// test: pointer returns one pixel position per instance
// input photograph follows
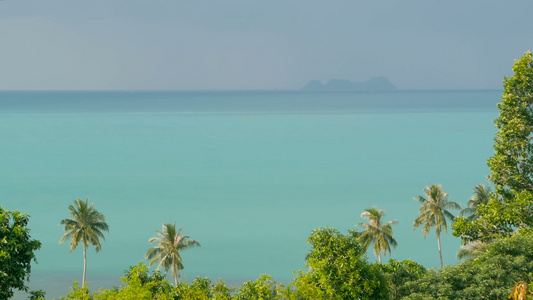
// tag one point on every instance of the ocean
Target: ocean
(248, 174)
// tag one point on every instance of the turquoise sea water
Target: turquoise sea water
(248, 174)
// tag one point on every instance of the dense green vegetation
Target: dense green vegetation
(509, 208)
(496, 229)
(339, 270)
(16, 252)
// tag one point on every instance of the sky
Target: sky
(259, 45)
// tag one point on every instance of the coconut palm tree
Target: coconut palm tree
(166, 253)
(434, 212)
(482, 195)
(380, 235)
(85, 227)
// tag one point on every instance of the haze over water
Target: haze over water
(248, 174)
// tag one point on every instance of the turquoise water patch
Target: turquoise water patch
(249, 186)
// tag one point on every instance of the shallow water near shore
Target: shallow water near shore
(247, 174)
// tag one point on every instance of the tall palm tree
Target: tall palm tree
(380, 235)
(85, 227)
(482, 195)
(166, 253)
(434, 212)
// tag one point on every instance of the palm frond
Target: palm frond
(168, 244)
(471, 250)
(451, 205)
(67, 236)
(466, 212)
(190, 244)
(86, 225)
(433, 212)
(420, 199)
(376, 233)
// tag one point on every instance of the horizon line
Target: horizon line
(240, 90)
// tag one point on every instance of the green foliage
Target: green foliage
(141, 271)
(139, 284)
(512, 164)
(338, 269)
(200, 288)
(492, 275)
(376, 233)
(221, 291)
(154, 282)
(16, 252)
(400, 272)
(497, 219)
(37, 295)
(264, 288)
(78, 293)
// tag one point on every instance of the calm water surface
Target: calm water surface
(248, 174)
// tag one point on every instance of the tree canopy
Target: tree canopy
(491, 275)
(338, 269)
(17, 251)
(511, 207)
(512, 164)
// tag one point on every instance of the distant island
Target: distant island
(377, 84)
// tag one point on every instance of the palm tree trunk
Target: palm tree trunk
(174, 271)
(440, 252)
(379, 257)
(84, 265)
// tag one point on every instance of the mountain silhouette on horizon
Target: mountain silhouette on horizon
(377, 84)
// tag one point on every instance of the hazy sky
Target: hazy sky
(248, 44)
